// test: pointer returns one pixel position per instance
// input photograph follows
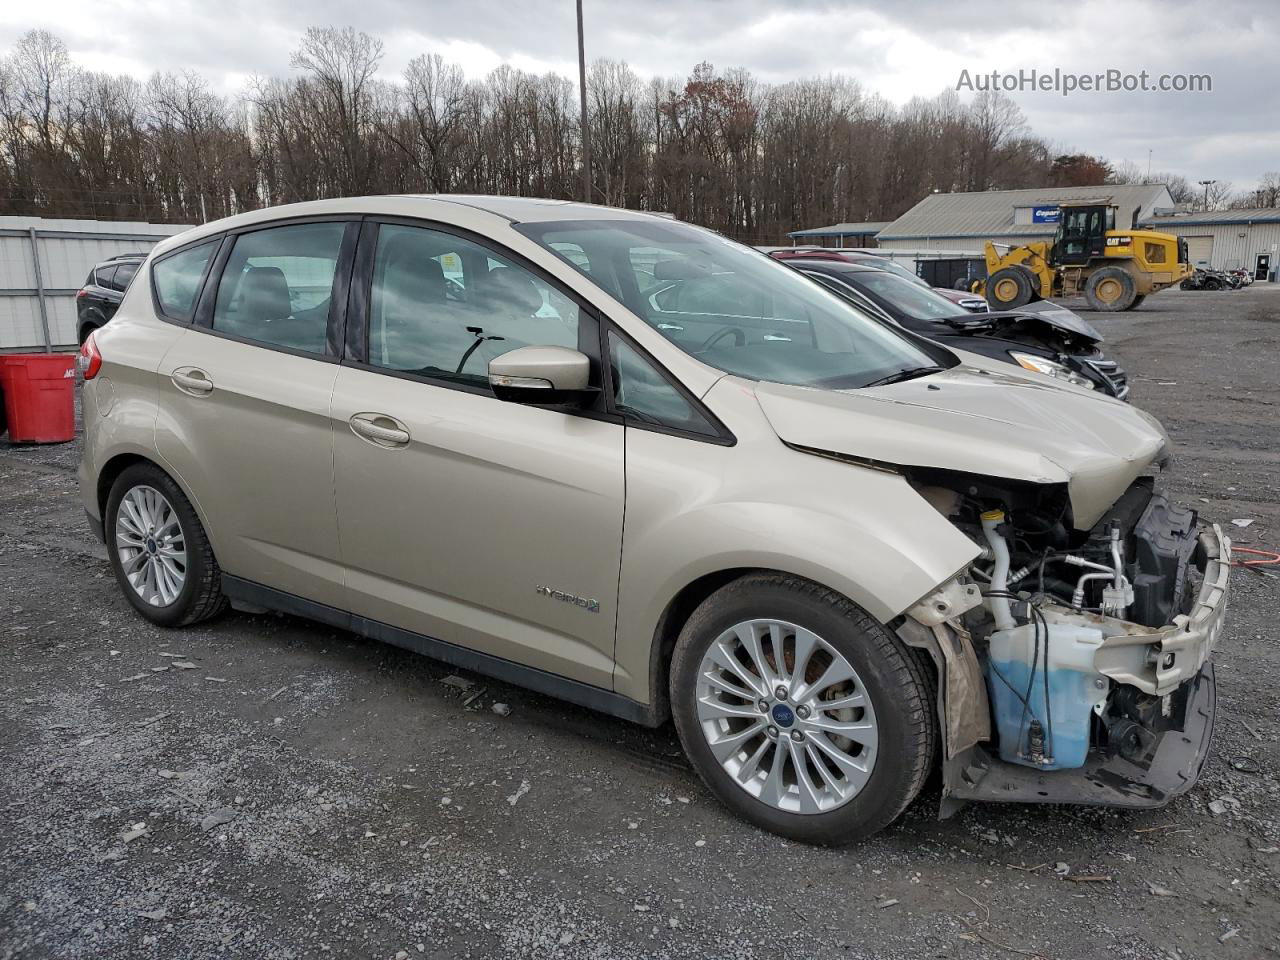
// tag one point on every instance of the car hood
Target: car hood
(979, 421)
(1054, 315)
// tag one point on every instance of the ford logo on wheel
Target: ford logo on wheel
(783, 716)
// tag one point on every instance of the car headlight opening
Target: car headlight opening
(1029, 361)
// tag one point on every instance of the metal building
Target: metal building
(840, 234)
(42, 265)
(966, 221)
(1228, 239)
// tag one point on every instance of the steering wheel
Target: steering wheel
(739, 338)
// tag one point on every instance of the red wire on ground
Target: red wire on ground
(1272, 558)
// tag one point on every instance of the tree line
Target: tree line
(717, 147)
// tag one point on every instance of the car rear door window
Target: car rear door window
(104, 275)
(443, 306)
(277, 286)
(177, 279)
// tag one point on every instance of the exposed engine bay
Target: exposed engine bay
(1091, 645)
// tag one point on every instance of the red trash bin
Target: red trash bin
(39, 396)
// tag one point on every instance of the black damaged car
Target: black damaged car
(1040, 336)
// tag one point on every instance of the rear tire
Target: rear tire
(1137, 301)
(158, 550)
(1010, 288)
(1110, 289)
(830, 651)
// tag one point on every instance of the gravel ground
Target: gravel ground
(301, 792)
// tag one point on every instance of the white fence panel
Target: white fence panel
(37, 300)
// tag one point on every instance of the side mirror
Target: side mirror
(544, 376)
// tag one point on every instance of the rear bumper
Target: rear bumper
(1171, 768)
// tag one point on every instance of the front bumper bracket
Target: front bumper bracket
(1172, 769)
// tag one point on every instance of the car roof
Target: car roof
(836, 266)
(465, 210)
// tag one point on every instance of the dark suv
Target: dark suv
(103, 289)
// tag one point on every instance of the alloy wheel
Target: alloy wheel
(151, 546)
(786, 716)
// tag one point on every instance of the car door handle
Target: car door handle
(192, 381)
(379, 429)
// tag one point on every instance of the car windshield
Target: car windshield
(730, 306)
(916, 301)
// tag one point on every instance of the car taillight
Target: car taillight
(90, 360)
(82, 292)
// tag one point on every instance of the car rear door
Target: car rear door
(244, 411)
(490, 525)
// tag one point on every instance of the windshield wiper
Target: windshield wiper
(910, 373)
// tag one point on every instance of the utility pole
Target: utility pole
(1206, 184)
(586, 132)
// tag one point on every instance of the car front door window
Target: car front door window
(442, 306)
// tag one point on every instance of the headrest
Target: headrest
(265, 294)
(511, 291)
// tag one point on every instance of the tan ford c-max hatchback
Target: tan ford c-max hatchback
(627, 462)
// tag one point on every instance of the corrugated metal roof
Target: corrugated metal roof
(843, 229)
(1218, 218)
(990, 213)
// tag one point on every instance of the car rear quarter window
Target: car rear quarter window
(277, 286)
(104, 275)
(177, 279)
(124, 276)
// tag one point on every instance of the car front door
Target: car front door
(490, 525)
(244, 415)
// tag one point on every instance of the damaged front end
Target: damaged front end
(1073, 651)
(1074, 663)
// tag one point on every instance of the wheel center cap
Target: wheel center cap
(783, 715)
(151, 546)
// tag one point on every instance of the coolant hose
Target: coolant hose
(991, 521)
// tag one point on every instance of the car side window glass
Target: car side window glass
(177, 279)
(277, 285)
(105, 275)
(643, 393)
(124, 276)
(444, 306)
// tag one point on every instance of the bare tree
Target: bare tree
(716, 147)
(341, 64)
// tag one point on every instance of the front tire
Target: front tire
(158, 550)
(1110, 289)
(800, 712)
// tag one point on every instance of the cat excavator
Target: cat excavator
(1112, 269)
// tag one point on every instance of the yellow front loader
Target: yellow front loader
(1113, 269)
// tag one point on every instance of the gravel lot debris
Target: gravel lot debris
(330, 798)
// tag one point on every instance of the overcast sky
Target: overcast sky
(898, 49)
